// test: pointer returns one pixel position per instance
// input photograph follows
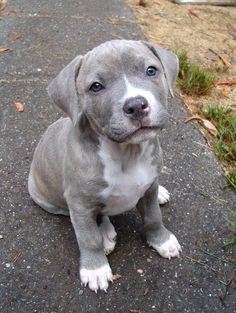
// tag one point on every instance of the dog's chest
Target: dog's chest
(128, 175)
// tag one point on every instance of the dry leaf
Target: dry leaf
(19, 106)
(3, 4)
(4, 49)
(193, 13)
(224, 60)
(17, 37)
(134, 311)
(210, 127)
(191, 118)
(207, 124)
(225, 91)
(146, 291)
(116, 277)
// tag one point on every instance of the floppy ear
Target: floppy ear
(62, 89)
(169, 62)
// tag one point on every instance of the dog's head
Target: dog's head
(121, 86)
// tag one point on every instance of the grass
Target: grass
(193, 80)
(225, 123)
(232, 180)
(232, 224)
(225, 145)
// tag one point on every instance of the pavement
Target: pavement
(39, 255)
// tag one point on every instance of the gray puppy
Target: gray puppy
(104, 159)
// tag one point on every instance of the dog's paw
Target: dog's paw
(163, 195)
(169, 249)
(108, 235)
(96, 279)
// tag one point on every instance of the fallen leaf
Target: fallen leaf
(210, 127)
(17, 37)
(134, 311)
(191, 118)
(205, 123)
(19, 106)
(4, 49)
(193, 13)
(116, 277)
(146, 291)
(225, 91)
(224, 60)
(3, 4)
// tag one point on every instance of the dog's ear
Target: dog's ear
(169, 62)
(62, 89)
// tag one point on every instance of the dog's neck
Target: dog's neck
(123, 153)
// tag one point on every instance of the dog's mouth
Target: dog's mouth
(144, 132)
(143, 129)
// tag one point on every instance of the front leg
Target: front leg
(158, 237)
(94, 267)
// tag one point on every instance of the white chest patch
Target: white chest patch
(128, 171)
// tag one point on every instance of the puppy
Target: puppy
(104, 158)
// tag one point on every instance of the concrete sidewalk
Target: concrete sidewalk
(39, 255)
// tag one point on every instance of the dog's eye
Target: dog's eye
(96, 87)
(151, 71)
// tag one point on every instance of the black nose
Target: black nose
(136, 107)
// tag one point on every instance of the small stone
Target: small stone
(140, 271)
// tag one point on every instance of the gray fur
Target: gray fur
(67, 174)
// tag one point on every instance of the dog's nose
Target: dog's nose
(136, 107)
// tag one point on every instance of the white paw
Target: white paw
(163, 195)
(170, 248)
(108, 235)
(96, 279)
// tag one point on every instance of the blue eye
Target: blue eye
(96, 87)
(151, 71)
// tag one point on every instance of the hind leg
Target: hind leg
(42, 201)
